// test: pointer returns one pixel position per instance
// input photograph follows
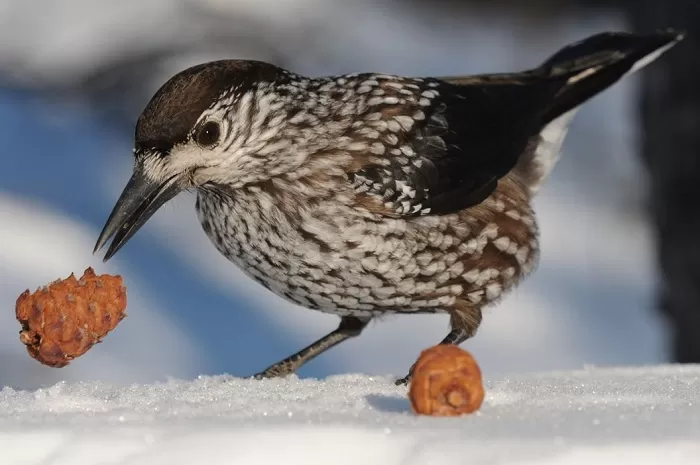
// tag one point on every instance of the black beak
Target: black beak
(140, 199)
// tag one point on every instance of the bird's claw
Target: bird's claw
(263, 375)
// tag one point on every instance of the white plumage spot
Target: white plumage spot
(357, 146)
(514, 214)
(456, 269)
(548, 151)
(502, 243)
(395, 85)
(490, 231)
(472, 276)
(406, 122)
(409, 152)
(522, 254)
(393, 125)
(430, 270)
(377, 148)
(475, 296)
(654, 55)
(392, 139)
(369, 133)
(493, 290)
(583, 74)
(424, 258)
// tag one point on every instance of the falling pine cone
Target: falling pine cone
(446, 381)
(65, 319)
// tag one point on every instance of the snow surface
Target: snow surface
(593, 416)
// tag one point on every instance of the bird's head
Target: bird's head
(219, 123)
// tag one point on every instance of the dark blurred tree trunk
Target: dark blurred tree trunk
(670, 149)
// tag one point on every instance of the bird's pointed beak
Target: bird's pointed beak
(139, 200)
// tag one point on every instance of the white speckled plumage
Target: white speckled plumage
(344, 260)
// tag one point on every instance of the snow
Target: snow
(645, 415)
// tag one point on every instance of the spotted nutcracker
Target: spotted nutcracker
(368, 194)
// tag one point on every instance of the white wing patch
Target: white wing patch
(552, 137)
(653, 55)
(548, 151)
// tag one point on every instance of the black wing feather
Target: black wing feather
(451, 159)
(489, 128)
(474, 129)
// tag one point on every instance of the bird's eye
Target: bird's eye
(208, 134)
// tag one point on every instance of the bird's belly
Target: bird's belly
(370, 268)
(296, 269)
(287, 260)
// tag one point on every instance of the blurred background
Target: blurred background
(617, 283)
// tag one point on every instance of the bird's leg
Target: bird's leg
(349, 327)
(464, 320)
(456, 337)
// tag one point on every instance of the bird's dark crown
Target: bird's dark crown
(174, 109)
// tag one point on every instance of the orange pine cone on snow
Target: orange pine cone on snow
(65, 319)
(446, 381)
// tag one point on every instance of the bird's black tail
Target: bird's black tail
(583, 70)
(597, 62)
(559, 86)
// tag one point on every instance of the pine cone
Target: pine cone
(446, 381)
(64, 320)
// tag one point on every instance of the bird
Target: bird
(369, 194)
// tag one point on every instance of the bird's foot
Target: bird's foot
(269, 373)
(406, 379)
(278, 370)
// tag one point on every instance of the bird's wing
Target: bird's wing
(458, 141)
(460, 135)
